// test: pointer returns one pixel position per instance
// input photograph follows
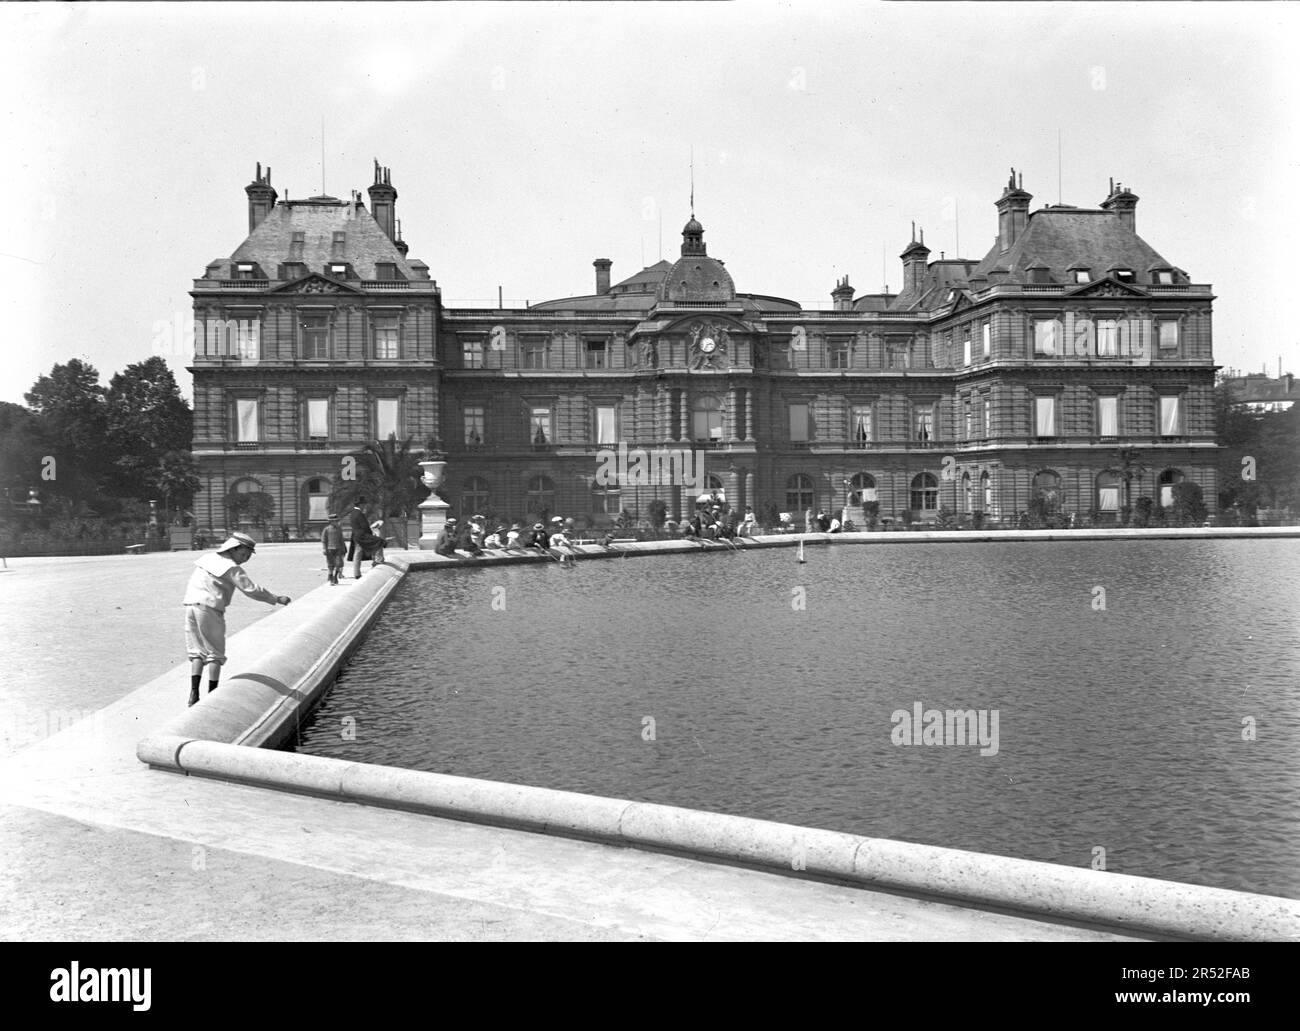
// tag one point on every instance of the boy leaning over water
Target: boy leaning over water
(211, 586)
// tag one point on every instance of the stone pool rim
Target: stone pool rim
(232, 736)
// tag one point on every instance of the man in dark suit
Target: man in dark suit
(360, 527)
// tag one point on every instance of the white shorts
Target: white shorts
(205, 634)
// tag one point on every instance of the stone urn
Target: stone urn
(433, 510)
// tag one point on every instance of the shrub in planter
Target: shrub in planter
(657, 512)
(1125, 513)
(946, 518)
(1189, 504)
(977, 520)
(1142, 511)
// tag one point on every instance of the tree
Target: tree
(178, 480)
(388, 475)
(145, 419)
(70, 404)
(1189, 505)
(22, 448)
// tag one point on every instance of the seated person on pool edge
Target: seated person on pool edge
(446, 542)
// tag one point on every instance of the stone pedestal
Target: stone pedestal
(433, 510)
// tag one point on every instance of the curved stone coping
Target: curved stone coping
(298, 653)
(426, 560)
(1133, 904)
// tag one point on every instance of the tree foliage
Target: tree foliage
(388, 476)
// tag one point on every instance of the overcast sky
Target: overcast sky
(525, 140)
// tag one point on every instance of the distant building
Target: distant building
(1259, 393)
(978, 385)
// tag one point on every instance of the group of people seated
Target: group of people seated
(472, 537)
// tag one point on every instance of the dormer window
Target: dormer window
(337, 269)
(296, 243)
(1082, 275)
(292, 270)
(337, 244)
(1040, 274)
(1124, 275)
(245, 270)
(386, 270)
(1164, 277)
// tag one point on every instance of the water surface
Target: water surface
(1119, 728)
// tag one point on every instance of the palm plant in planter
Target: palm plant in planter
(388, 476)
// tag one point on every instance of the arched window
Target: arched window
(707, 419)
(966, 492)
(799, 493)
(474, 497)
(1166, 482)
(925, 492)
(1108, 492)
(317, 493)
(606, 500)
(863, 488)
(1047, 485)
(539, 495)
(986, 489)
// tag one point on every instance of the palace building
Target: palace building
(1071, 354)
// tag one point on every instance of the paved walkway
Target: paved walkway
(95, 846)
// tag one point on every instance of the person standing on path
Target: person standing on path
(360, 527)
(331, 541)
(211, 586)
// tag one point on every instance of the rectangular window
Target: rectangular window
(1107, 338)
(248, 339)
(318, 418)
(245, 270)
(1046, 336)
(837, 353)
(471, 354)
(292, 270)
(385, 271)
(387, 347)
(860, 425)
(1045, 416)
(539, 426)
(337, 243)
(799, 422)
(924, 423)
(1108, 499)
(1168, 334)
(387, 421)
(475, 424)
(988, 339)
(606, 424)
(965, 347)
(1170, 417)
(315, 336)
(1165, 278)
(246, 420)
(1124, 275)
(594, 355)
(1081, 275)
(295, 246)
(969, 419)
(338, 270)
(1108, 416)
(534, 354)
(988, 416)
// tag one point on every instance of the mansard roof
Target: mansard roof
(318, 219)
(1062, 239)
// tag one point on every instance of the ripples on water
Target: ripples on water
(1118, 729)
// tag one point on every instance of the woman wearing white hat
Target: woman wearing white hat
(211, 587)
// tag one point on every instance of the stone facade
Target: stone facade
(978, 384)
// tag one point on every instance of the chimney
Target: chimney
(914, 262)
(1123, 202)
(842, 295)
(603, 266)
(261, 197)
(1013, 211)
(383, 202)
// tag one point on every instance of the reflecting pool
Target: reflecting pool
(1144, 694)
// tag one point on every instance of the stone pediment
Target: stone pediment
(1107, 286)
(312, 283)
